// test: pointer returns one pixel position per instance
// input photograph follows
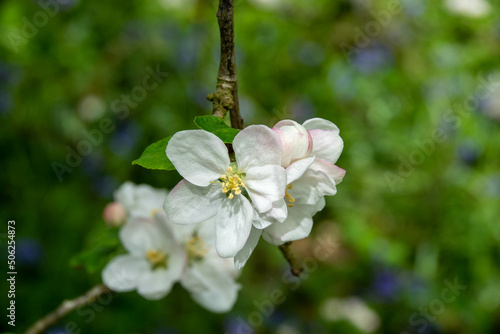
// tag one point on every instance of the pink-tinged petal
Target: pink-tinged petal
(190, 204)
(233, 225)
(320, 124)
(257, 145)
(244, 254)
(327, 145)
(297, 169)
(265, 185)
(199, 156)
(210, 285)
(296, 140)
(319, 180)
(123, 272)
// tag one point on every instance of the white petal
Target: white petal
(265, 185)
(156, 284)
(327, 145)
(140, 200)
(320, 124)
(297, 226)
(297, 142)
(190, 204)
(277, 214)
(297, 169)
(318, 181)
(257, 145)
(123, 272)
(244, 254)
(125, 195)
(233, 225)
(211, 285)
(139, 235)
(199, 156)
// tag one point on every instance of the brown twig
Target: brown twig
(226, 97)
(295, 266)
(66, 307)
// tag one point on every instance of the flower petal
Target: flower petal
(297, 142)
(277, 214)
(319, 180)
(211, 285)
(327, 143)
(123, 272)
(265, 185)
(257, 145)
(190, 204)
(320, 124)
(233, 225)
(156, 284)
(297, 226)
(139, 235)
(199, 156)
(297, 169)
(244, 254)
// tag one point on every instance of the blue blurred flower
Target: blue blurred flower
(386, 284)
(104, 186)
(237, 325)
(124, 138)
(29, 252)
(371, 59)
(468, 152)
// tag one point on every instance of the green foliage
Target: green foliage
(218, 127)
(154, 156)
(103, 246)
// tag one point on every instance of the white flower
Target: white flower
(471, 8)
(209, 278)
(161, 253)
(311, 175)
(155, 261)
(310, 152)
(140, 201)
(214, 186)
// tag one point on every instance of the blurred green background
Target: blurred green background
(417, 101)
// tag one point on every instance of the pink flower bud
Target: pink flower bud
(296, 140)
(114, 214)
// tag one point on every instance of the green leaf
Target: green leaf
(104, 245)
(218, 127)
(154, 156)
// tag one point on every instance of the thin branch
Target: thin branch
(226, 97)
(66, 307)
(295, 266)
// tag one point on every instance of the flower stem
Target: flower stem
(295, 266)
(66, 307)
(226, 97)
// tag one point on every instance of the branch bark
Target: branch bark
(295, 266)
(66, 307)
(226, 97)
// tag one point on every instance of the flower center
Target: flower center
(156, 258)
(232, 184)
(288, 198)
(196, 248)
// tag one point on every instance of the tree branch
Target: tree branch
(66, 307)
(226, 97)
(295, 266)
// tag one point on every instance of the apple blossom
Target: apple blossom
(309, 155)
(155, 261)
(215, 186)
(209, 278)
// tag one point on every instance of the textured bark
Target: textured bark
(226, 97)
(66, 307)
(295, 266)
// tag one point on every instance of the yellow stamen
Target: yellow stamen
(231, 195)
(290, 205)
(290, 186)
(196, 248)
(232, 183)
(288, 197)
(155, 257)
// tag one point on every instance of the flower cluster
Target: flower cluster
(272, 185)
(161, 253)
